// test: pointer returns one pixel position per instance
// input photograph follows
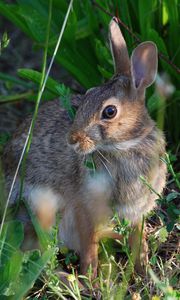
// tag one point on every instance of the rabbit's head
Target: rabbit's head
(113, 116)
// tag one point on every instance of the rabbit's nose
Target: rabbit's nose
(80, 142)
(74, 138)
(71, 140)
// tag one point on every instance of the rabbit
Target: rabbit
(113, 127)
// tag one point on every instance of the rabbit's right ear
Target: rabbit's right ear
(144, 62)
(118, 49)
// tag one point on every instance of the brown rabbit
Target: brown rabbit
(113, 125)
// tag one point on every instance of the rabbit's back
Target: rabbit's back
(50, 161)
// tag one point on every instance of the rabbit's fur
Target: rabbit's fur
(124, 148)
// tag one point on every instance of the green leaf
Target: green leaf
(124, 10)
(35, 22)
(31, 271)
(71, 28)
(153, 260)
(165, 16)
(10, 272)
(79, 67)
(12, 237)
(53, 86)
(172, 11)
(145, 9)
(35, 76)
(89, 163)
(172, 196)
(162, 234)
(106, 74)
(154, 103)
(4, 137)
(10, 255)
(83, 29)
(65, 100)
(176, 211)
(103, 54)
(4, 42)
(11, 13)
(154, 36)
(170, 226)
(13, 79)
(71, 257)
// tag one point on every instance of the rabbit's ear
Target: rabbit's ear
(118, 49)
(144, 62)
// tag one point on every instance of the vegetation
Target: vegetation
(84, 53)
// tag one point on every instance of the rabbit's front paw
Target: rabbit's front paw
(142, 258)
(139, 249)
(89, 260)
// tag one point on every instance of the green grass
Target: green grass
(37, 274)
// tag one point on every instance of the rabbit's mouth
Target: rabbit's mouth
(81, 144)
(82, 150)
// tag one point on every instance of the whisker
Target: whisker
(106, 168)
(103, 156)
(84, 158)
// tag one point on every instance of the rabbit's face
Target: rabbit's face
(113, 116)
(109, 116)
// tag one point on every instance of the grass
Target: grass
(38, 274)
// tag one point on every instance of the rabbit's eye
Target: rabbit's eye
(109, 112)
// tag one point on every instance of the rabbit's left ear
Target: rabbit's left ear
(118, 49)
(144, 63)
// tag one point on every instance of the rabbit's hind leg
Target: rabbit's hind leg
(139, 248)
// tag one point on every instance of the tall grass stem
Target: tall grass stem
(30, 131)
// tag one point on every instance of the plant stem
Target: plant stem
(161, 112)
(15, 97)
(149, 186)
(5, 77)
(31, 129)
(172, 171)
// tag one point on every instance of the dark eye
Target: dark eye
(109, 112)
